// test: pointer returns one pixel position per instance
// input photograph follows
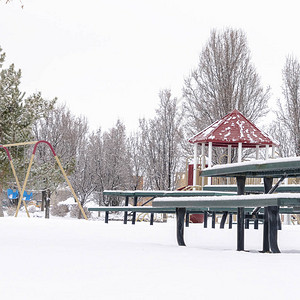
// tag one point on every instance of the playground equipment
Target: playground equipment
(12, 195)
(22, 190)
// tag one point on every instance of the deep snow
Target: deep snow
(77, 259)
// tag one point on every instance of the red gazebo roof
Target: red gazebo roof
(232, 129)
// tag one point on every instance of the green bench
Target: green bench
(152, 195)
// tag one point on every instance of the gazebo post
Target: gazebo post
(202, 162)
(257, 152)
(240, 149)
(229, 154)
(209, 159)
(273, 151)
(229, 160)
(267, 152)
(195, 166)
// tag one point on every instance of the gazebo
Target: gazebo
(233, 130)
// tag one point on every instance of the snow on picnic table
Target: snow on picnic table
(77, 259)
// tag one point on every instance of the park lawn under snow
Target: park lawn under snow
(77, 259)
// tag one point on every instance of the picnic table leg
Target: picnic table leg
(180, 213)
(273, 222)
(106, 216)
(126, 212)
(230, 221)
(241, 181)
(151, 218)
(266, 245)
(240, 229)
(223, 220)
(256, 224)
(213, 220)
(268, 181)
(134, 213)
(247, 221)
(205, 219)
(187, 220)
(279, 227)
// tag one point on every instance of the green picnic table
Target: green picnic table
(266, 169)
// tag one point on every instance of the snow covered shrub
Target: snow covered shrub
(11, 211)
(59, 210)
(31, 209)
(75, 212)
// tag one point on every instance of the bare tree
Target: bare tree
(68, 135)
(83, 177)
(134, 145)
(288, 113)
(224, 80)
(161, 138)
(111, 160)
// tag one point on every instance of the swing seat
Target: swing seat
(12, 195)
(26, 196)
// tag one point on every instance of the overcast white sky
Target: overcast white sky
(109, 59)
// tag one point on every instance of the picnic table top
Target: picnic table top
(282, 199)
(257, 168)
(140, 193)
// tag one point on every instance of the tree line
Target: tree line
(224, 79)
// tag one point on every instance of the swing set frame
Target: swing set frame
(21, 190)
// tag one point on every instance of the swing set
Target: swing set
(21, 191)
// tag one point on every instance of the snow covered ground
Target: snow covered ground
(77, 259)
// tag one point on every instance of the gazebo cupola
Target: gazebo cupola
(233, 130)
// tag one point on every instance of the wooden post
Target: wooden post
(24, 184)
(19, 186)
